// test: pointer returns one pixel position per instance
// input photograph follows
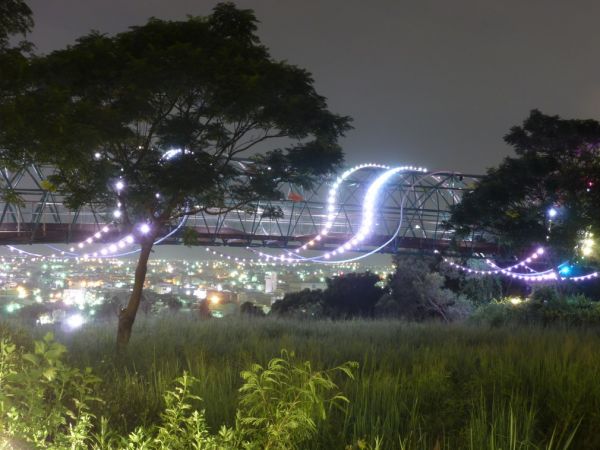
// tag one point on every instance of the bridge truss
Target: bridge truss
(422, 201)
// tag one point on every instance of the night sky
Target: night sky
(434, 83)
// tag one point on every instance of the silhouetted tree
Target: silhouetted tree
(417, 291)
(15, 18)
(352, 295)
(249, 309)
(304, 304)
(557, 166)
(171, 109)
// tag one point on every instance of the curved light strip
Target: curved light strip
(90, 239)
(531, 271)
(396, 233)
(158, 241)
(366, 225)
(589, 276)
(403, 200)
(370, 203)
(541, 276)
(24, 252)
(331, 201)
(126, 240)
(505, 270)
(331, 212)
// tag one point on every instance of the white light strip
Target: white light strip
(589, 276)
(550, 275)
(332, 207)
(505, 270)
(367, 225)
(90, 239)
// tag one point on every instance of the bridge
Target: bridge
(410, 213)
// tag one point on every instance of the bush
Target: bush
(42, 400)
(46, 403)
(545, 307)
(418, 292)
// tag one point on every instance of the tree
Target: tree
(251, 310)
(557, 167)
(417, 292)
(15, 18)
(304, 304)
(169, 109)
(352, 295)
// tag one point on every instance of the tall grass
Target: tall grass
(418, 387)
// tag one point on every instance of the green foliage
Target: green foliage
(346, 296)
(249, 309)
(417, 292)
(352, 295)
(306, 304)
(280, 404)
(42, 400)
(171, 108)
(478, 290)
(557, 165)
(416, 387)
(15, 18)
(509, 425)
(545, 307)
(46, 403)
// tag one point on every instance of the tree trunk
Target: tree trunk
(127, 314)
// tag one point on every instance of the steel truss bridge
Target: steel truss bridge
(42, 217)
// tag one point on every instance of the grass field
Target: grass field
(418, 387)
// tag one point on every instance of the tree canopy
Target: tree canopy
(168, 119)
(15, 18)
(546, 194)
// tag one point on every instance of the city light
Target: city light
(552, 213)
(144, 228)
(74, 321)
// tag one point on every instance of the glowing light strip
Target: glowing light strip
(506, 270)
(531, 271)
(398, 228)
(589, 276)
(24, 252)
(108, 250)
(367, 224)
(550, 275)
(332, 209)
(331, 212)
(90, 240)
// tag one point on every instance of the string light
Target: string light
(368, 214)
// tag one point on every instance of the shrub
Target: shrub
(546, 307)
(45, 402)
(419, 292)
(42, 400)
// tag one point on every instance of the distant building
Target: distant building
(270, 282)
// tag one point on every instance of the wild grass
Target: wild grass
(419, 386)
